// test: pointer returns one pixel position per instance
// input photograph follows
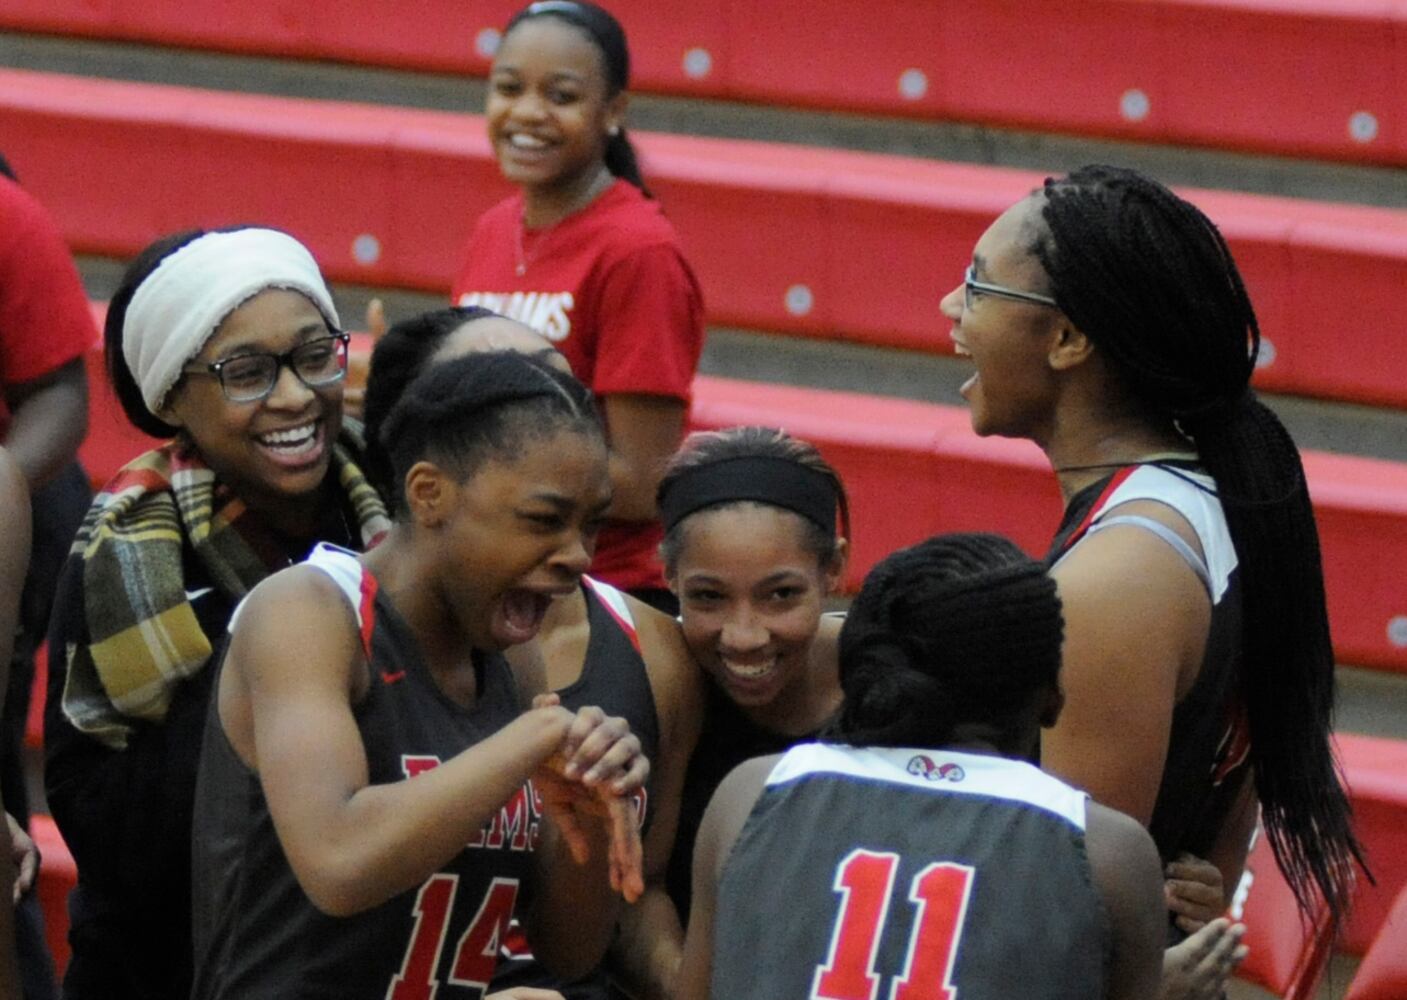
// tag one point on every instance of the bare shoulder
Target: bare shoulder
(13, 486)
(1125, 865)
(299, 608)
(667, 658)
(730, 807)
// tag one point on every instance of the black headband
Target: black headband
(779, 482)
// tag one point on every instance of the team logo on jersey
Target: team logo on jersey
(925, 767)
(549, 313)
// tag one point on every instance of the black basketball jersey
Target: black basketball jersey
(257, 934)
(1209, 741)
(614, 678)
(909, 875)
(728, 738)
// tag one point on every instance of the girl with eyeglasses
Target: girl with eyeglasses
(1108, 323)
(227, 344)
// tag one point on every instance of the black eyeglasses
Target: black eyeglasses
(971, 287)
(248, 378)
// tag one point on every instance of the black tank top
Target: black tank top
(257, 934)
(1208, 744)
(728, 738)
(613, 678)
(910, 872)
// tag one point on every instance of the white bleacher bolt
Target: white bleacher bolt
(486, 43)
(799, 300)
(1363, 126)
(1397, 631)
(1267, 355)
(698, 63)
(913, 84)
(1134, 105)
(366, 249)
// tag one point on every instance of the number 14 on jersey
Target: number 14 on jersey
(865, 882)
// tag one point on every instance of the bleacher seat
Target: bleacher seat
(57, 877)
(1383, 974)
(1221, 73)
(785, 238)
(1288, 950)
(1375, 771)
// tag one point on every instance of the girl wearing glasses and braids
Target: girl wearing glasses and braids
(227, 344)
(1109, 324)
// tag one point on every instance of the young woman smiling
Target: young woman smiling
(1108, 323)
(228, 344)
(583, 254)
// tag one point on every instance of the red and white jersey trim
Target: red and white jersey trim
(937, 771)
(617, 606)
(345, 570)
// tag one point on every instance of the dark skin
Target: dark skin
(49, 419)
(18, 864)
(353, 845)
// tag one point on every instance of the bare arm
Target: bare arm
(1136, 622)
(14, 561)
(650, 943)
(643, 433)
(353, 845)
(1127, 874)
(722, 822)
(49, 421)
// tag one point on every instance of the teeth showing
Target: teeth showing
(960, 350)
(297, 439)
(520, 140)
(750, 671)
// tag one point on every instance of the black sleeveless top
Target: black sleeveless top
(613, 678)
(957, 874)
(728, 738)
(258, 936)
(1208, 743)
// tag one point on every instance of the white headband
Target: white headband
(180, 304)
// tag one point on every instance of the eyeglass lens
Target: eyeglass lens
(252, 376)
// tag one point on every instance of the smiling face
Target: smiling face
(750, 592)
(521, 531)
(1009, 341)
(275, 451)
(549, 113)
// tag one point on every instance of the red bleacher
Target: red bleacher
(1383, 974)
(838, 244)
(1222, 73)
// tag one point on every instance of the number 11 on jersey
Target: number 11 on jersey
(865, 882)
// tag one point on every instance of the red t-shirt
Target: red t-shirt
(610, 288)
(45, 320)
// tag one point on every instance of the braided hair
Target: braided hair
(399, 356)
(1150, 280)
(710, 447)
(461, 412)
(955, 630)
(606, 33)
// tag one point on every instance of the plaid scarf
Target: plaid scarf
(143, 635)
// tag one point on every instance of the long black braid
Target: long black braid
(956, 629)
(1152, 283)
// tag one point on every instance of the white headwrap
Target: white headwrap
(181, 304)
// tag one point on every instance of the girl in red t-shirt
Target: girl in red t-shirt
(583, 254)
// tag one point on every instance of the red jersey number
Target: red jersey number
(865, 882)
(476, 953)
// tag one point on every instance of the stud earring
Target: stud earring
(614, 131)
